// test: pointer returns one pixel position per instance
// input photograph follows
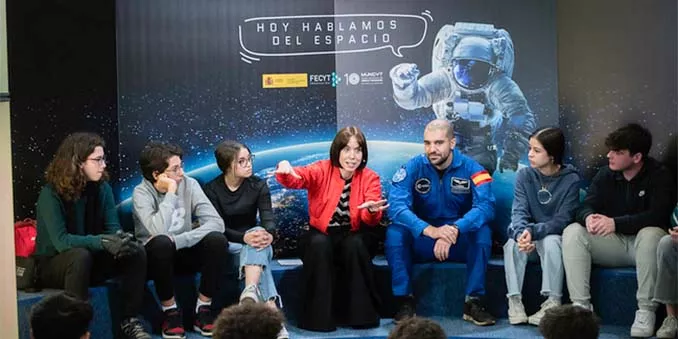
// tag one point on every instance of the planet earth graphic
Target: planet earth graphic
(291, 206)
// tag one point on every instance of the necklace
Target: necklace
(544, 196)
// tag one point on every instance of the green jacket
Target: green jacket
(53, 236)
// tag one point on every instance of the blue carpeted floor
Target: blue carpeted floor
(455, 328)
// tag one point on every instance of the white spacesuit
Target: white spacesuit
(470, 85)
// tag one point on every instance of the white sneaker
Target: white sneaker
(516, 311)
(588, 307)
(536, 318)
(283, 334)
(250, 295)
(669, 328)
(643, 325)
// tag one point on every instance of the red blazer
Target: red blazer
(324, 184)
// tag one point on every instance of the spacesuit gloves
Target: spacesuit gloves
(514, 146)
(508, 161)
(403, 75)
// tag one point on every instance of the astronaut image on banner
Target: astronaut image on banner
(470, 85)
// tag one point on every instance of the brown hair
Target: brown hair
(248, 321)
(155, 156)
(417, 328)
(64, 172)
(341, 140)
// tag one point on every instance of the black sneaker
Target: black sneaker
(132, 328)
(476, 313)
(172, 327)
(204, 321)
(406, 308)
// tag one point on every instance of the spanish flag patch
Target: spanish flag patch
(481, 178)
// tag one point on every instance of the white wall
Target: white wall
(8, 310)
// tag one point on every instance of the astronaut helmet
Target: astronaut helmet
(473, 63)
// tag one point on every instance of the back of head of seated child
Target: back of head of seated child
(417, 328)
(61, 316)
(248, 321)
(569, 321)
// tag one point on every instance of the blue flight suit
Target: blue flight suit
(420, 195)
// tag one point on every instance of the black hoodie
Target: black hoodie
(645, 200)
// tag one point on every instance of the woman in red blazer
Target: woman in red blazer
(343, 197)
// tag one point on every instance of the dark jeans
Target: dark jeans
(206, 257)
(338, 279)
(75, 270)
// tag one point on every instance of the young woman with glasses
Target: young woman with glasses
(78, 241)
(238, 196)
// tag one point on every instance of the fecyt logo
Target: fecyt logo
(324, 79)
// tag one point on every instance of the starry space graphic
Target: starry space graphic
(180, 79)
(203, 93)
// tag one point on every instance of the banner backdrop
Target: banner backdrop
(282, 77)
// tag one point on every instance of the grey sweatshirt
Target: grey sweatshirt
(172, 214)
(542, 218)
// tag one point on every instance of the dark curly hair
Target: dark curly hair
(417, 328)
(154, 158)
(248, 321)
(632, 137)
(64, 172)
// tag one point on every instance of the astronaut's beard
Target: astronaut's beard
(441, 159)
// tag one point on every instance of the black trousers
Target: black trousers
(77, 269)
(338, 280)
(206, 257)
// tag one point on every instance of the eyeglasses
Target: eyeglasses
(99, 160)
(175, 170)
(243, 162)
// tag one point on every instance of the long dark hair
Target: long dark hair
(553, 140)
(64, 172)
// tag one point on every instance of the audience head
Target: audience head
(628, 146)
(248, 321)
(417, 328)
(60, 316)
(547, 146)
(234, 159)
(569, 322)
(161, 158)
(79, 159)
(439, 141)
(349, 149)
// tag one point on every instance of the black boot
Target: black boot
(406, 307)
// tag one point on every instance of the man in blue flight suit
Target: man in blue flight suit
(441, 206)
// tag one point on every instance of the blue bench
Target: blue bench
(439, 287)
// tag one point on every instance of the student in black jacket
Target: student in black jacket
(238, 196)
(621, 222)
